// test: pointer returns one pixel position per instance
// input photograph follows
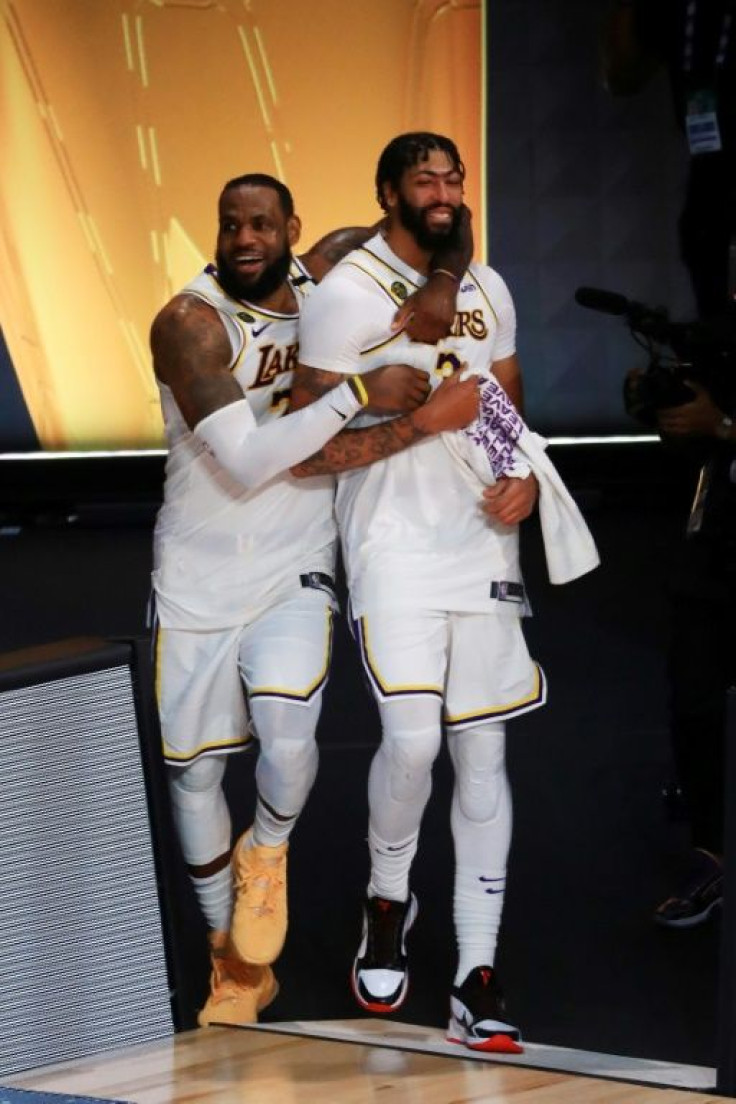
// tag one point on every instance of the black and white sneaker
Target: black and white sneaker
(380, 975)
(699, 892)
(477, 1015)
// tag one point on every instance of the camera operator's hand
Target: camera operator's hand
(699, 418)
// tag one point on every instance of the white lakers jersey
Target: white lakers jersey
(221, 552)
(411, 526)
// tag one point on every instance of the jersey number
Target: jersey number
(446, 365)
(280, 401)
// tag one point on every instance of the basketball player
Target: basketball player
(243, 563)
(435, 585)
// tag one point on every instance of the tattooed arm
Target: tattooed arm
(453, 405)
(309, 384)
(330, 249)
(428, 314)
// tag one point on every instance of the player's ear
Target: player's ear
(388, 196)
(293, 229)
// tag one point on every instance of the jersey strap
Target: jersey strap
(392, 283)
(301, 278)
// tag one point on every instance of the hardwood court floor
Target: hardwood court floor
(233, 1066)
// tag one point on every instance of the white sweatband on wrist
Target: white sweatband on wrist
(253, 454)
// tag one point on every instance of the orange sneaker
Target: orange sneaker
(238, 990)
(259, 922)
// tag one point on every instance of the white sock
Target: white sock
(390, 865)
(203, 825)
(477, 908)
(215, 897)
(481, 828)
(270, 829)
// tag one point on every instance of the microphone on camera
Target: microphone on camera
(608, 302)
(651, 322)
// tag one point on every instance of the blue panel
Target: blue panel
(16, 428)
(584, 189)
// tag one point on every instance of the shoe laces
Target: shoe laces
(482, 993)
(260, 878)
(230, 976)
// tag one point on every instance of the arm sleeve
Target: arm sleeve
(253, 454)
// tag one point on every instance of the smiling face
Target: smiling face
(428, 199)
(254, 242)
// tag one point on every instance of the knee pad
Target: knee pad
(289, 753)
(275, 719)
(410, 740)
(205, 773)
(288, 756)
(478, 756)
(409, 757)
(200, 810)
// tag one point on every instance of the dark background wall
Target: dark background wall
(584, 189)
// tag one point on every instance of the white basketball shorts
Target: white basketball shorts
(476, 664)
(205, 679)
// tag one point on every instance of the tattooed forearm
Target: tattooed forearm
(310, 384)
(354, 448)
(337, 244)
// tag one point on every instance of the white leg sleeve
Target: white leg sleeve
(287, 765)
(202, 820)
(399, 785)
(481, 829)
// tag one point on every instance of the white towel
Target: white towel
(499, 443)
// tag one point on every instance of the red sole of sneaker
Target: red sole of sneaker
(497, 1044)
(377, 1009)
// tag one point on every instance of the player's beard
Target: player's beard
(258, 289)
(413, 219)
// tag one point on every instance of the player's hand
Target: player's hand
(510, 500)
(396, 388)
(429, 313)
(699, 418)
(465, 244)
(453, 405)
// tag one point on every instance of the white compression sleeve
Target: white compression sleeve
(253, 454)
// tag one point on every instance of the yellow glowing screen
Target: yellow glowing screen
(121, 119)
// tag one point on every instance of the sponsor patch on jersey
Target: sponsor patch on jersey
(399, 290)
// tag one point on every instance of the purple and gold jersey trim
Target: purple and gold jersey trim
(392, 283)
(182, 759)
(533, 700)
(305, 694)
(386, 690)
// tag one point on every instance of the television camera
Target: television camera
(702, 352)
